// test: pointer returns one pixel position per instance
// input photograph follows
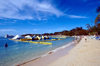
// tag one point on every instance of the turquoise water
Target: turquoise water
(19, 52)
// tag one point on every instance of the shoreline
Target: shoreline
(68, 46)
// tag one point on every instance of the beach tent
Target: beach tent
(46, 37)
(28, 37)
(42, 37)
(38, 37)
(16, 37)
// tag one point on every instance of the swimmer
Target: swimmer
(6, 45)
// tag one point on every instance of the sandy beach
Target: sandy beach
(85, 53)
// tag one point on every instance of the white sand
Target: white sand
(83, 54)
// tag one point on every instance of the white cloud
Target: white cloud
(27, 9)
(45, 7)
(8, 22)
(7, 30)
(35, 29)
(76, 16)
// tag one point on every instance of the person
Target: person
(85, 39)
(6, 45)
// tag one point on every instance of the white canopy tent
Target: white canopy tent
(28, 37)
(16, 37)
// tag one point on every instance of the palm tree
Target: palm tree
(97, 20)
(98, 9)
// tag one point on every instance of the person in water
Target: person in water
(6, 45)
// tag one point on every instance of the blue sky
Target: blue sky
(40, 16)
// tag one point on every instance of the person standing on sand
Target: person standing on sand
(85, 39)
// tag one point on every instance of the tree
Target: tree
(97, 20)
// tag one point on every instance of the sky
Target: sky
(45, 16)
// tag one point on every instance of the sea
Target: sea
(20, 52)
